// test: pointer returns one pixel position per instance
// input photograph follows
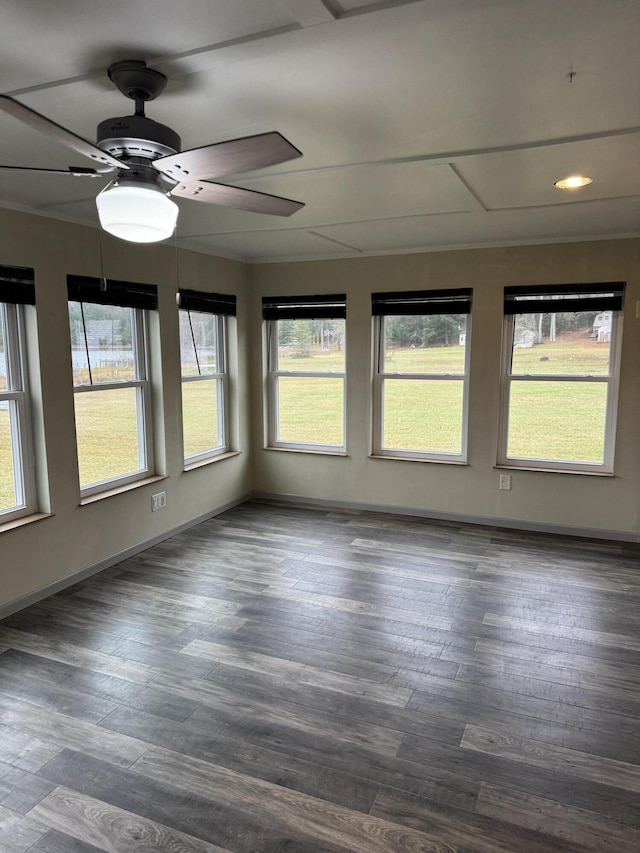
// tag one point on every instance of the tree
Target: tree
(302, 338)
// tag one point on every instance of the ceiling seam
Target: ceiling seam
(444, 158)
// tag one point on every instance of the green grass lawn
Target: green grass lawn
(199, 416)
(107, 434)
(7, 490)
(423, 415)
(548, 420)
(310, 410)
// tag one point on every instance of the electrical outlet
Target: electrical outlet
(505, 482)
(158, 501)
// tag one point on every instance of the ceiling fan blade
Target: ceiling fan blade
(57, 132)
(74, 171)
(242, 199)
(228, 158)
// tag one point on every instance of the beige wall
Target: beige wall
(75, 537)
(606, 504)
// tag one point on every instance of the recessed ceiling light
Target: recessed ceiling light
(573, 182)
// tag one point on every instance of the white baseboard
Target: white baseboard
(485, 521)
(45, 591)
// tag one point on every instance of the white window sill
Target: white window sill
(119, 490)
(312, 450)
(409, 458)
(202, 463)
(15, 523)
(541, 470)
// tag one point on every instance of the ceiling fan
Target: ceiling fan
(150, 168)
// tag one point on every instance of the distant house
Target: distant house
(602, 327)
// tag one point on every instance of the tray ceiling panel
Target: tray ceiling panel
(418, 120)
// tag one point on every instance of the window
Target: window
(560, 377)
(17, 490)
(111, 382)
(420, 377)
(306, 366)
(203, 333)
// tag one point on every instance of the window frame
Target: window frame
(590, 299)
(221, 378)
(138, 299)
(418, 303)
(17, 395)
(275, 309)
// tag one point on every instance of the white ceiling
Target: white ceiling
(424, 124)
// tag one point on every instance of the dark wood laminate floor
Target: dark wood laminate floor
(289, 680)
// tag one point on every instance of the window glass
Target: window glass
(307, 380)
(4, 371)
(420, 384)
(310, 410)
(418, 343)
(198, 343)
(204, 383)
(558, 421)
(562, 344)
(8, 494)
(423, 414)
(102, 343)
(107, 426)
(315, 346)
(200, 417)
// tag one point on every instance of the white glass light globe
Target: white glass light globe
(140, 214)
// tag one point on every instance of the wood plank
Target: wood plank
(309, 823)
(413, 617)
(64, 731)
(24, 751)
(605, 638)
(54, 697)
(600, 678)
(77, 656)
(309, 675)
(60, 842)
(558, 759)
(90, 683)
(233, 688)
(621, 702)
(510, 772)
(461, 830)
(20, 790)
(457, 698)
(18, 834)
(321, 768)
(66, 612)
(272, 765)
(346, 625)
(112, 829)
(596, 832)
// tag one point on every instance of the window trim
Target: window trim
(274, 309)
(20, 425)
(418, 303)
(612, 379)
(221, 378)
(138, 298)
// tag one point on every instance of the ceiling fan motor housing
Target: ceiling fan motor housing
(137, 136)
